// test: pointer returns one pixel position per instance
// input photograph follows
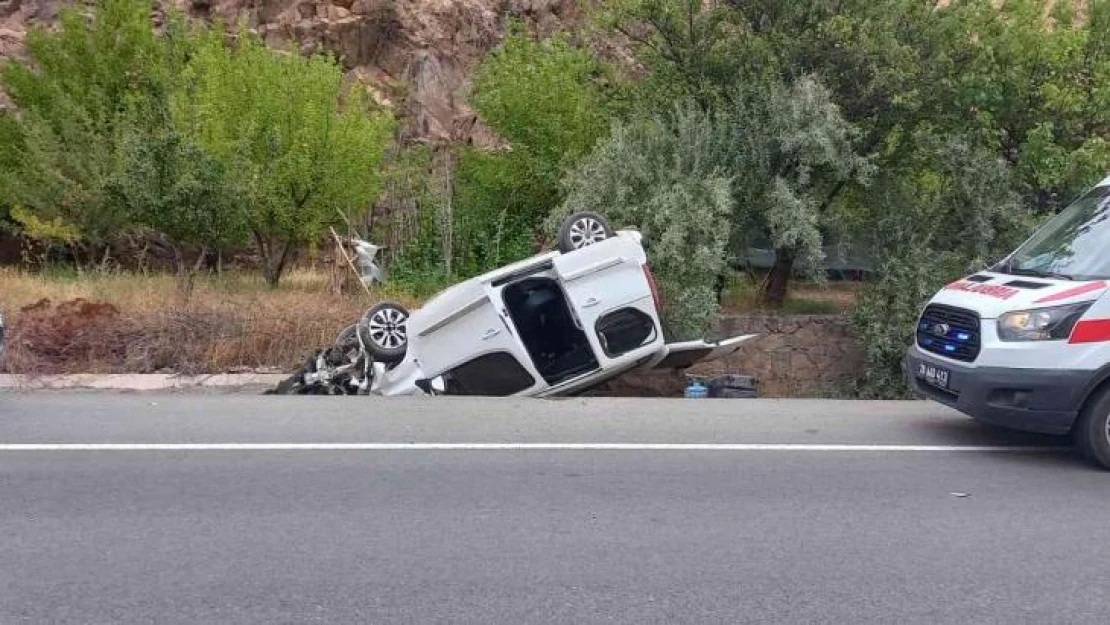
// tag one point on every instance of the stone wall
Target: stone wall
(793, 356)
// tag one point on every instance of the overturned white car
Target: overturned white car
(558, 323)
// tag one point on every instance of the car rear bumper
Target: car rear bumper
(1034, 400)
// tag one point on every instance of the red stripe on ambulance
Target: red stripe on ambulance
(1091, 331)
(1082, 289)
(990, 290)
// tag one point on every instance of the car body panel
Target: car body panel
(688, 353)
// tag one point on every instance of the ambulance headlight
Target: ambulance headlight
(1041, 324)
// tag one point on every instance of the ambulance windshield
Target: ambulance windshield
(1075, 245)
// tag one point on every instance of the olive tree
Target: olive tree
(789, 150)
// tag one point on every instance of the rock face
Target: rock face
(415, 56)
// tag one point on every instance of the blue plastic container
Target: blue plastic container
(697, 390)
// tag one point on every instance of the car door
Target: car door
(601, 278)
(688, 353)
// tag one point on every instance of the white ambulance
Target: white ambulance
(1026, 344)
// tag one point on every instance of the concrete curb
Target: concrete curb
(137, 382)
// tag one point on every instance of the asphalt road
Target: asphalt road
(347, 510)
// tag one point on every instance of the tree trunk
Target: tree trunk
(186, 273)
(778, 281)
(720, 282)
(276, 268)
(105, 258)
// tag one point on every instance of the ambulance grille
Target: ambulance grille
(950, 332)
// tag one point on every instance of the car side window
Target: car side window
(496, 374)
(623, 330)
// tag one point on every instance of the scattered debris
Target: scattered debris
(960, 495)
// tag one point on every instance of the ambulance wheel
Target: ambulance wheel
(1092, 431)
(582, 230)
(384, 332)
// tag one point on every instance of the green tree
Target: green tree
(11, 146)
(692, 49)
(544, 98)
(169, 185)
(499, 198)
(74, 97)
(789, 150)
(1033, 86)
(299, 147)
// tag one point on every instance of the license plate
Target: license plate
(933, 375)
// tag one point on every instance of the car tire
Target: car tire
(582, 230)
(384, 333)
(1092, 431)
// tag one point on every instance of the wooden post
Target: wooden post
(350, 261)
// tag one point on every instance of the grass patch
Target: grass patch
(741, 296)
(128, 323)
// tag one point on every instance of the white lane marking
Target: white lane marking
(515, 447)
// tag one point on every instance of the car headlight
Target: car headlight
(1041, 324)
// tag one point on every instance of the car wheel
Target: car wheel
(384, 332)
(1092, 431)
(582, 230)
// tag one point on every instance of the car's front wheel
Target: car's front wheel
(384, 332)
(1092, 431)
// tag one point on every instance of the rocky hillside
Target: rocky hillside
(415, 56)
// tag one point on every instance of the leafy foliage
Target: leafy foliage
(298, 148)
(169, 185)
(1031, 86)
(74, 98)
(968, 120)
(543, 97)
(546, 100)
(181, 132)
(499, 198)
(794, 151)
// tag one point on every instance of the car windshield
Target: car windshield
(1072, 246)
